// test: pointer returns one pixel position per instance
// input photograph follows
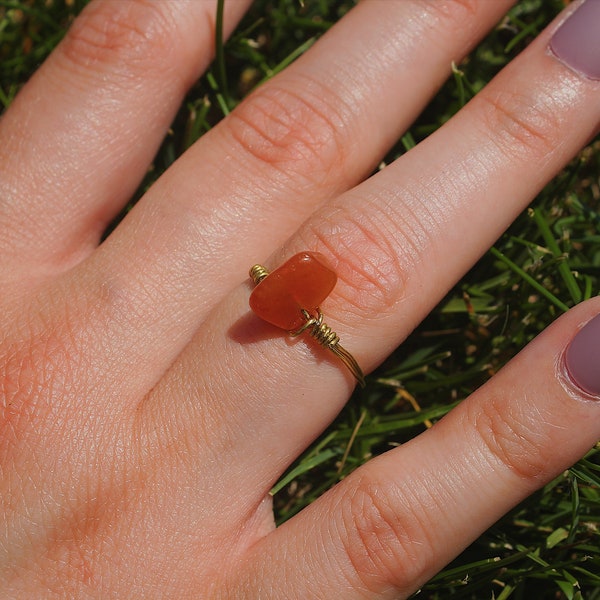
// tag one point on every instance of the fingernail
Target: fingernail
(582, 358)
(576, 42)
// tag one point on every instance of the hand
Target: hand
(146, 413)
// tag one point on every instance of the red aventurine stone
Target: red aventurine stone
(304, 281)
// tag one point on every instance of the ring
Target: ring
(290, 296)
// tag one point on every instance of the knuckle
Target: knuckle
(521, 125)
(36, 367)
(511, 438)
(128, 36)
(370, 261)
(379, 535)
(297, 133)
(66, 565)
(23, 394)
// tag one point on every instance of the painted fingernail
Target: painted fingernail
(582, 358)
(576, 42)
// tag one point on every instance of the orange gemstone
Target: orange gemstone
(304, 281)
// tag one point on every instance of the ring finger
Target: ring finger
(389, 239)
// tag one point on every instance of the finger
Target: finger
(307, 134)
(313, 131)
(412, 230)
(79, 137)
(394, 242)
(395, 522)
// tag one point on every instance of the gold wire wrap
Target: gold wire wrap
(258, 273)
(319, 330)
(328, 338)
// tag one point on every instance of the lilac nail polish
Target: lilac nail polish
(576, 42)
(582, 358)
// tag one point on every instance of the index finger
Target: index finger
(80, 135)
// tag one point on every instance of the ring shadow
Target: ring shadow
(250, 329)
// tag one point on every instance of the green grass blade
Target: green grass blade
(303, 467)
(563, 266)
(220, 54)
(290, 58)
(530, 280)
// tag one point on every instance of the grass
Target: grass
(549, 546)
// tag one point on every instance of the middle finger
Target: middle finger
(305, 136)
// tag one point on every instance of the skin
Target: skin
(130, 465)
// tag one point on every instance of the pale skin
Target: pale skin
(146, 414)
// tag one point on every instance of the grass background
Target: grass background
(549, 546)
